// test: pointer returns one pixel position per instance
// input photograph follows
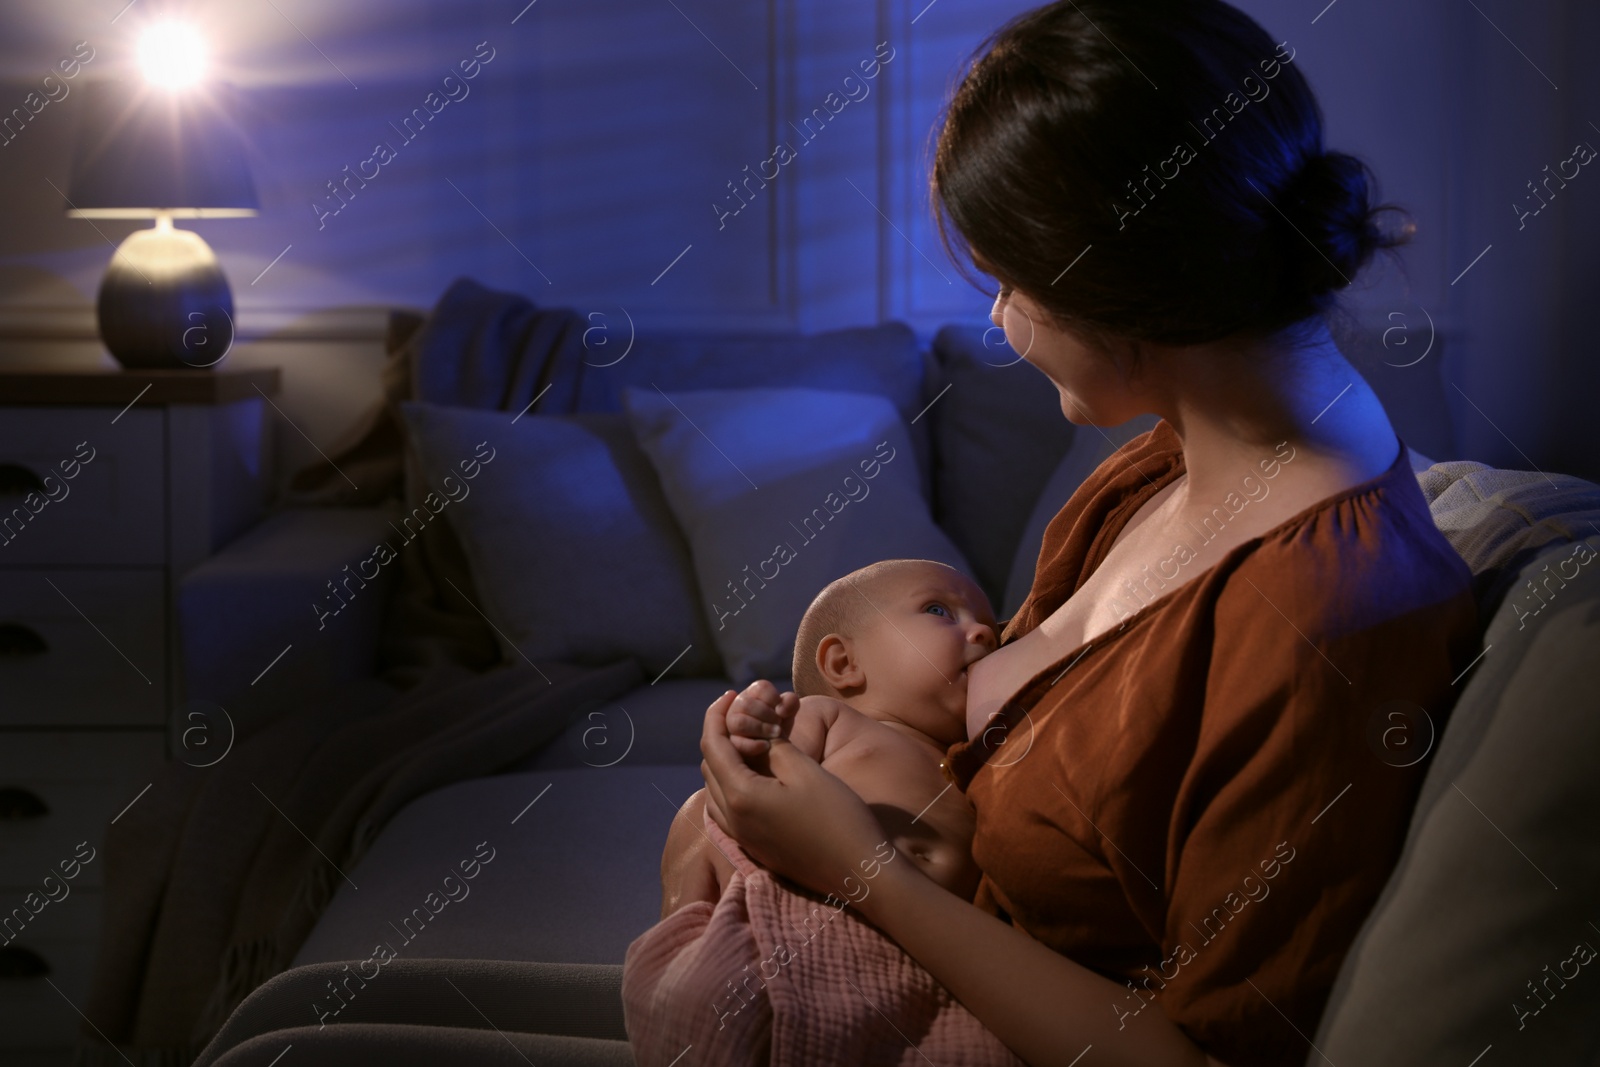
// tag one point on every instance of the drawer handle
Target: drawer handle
(18, 962)
(17, 804)
(17, 480)
(19, 640)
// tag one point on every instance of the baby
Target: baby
(880, 677)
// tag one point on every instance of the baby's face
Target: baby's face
(934, 623)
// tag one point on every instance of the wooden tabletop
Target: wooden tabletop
(94, 386)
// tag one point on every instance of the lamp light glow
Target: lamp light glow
(172, 55)
(167, 155)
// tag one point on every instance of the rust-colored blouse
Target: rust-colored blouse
(1205, 801)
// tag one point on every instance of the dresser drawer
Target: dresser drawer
(82, 647)
(59, 790)
(111, 512)
(62, 938)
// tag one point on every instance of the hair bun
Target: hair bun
(1052, 140)
(1329, 202)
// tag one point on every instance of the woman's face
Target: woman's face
(1093, 389)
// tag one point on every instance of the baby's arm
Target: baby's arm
(760, 713)
(691, 867)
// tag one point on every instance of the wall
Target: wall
(586, 166)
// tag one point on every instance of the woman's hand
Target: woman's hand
(799, 820)
(804, 823)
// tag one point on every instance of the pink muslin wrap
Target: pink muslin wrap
(771, 975)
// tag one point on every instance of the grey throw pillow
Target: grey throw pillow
(571, 544)
(781, 491)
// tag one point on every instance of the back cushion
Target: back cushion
(999, 432)
(1090, 448)
(575, 555)
(885, 359)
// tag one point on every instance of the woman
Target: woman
(1182, 818)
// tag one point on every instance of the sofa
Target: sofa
(1476, 948)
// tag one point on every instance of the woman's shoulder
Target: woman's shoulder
(1369, 550)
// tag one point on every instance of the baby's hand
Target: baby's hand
(759, 714)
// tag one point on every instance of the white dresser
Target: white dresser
(113, 484)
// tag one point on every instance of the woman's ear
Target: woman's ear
(1127, 354)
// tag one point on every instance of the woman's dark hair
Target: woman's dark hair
(1066, 134)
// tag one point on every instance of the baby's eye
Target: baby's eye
(938, 605)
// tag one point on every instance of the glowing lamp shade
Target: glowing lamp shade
(164, 301)
(172, 55)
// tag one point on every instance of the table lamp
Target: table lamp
(166, 150)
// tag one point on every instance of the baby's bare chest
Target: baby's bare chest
(899, 778)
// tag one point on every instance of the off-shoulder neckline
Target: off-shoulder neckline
(1130, 504)
(1127, 508)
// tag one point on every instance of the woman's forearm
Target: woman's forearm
(1045, 1007)
(801, 821)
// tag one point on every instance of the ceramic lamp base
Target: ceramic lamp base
(164, 301)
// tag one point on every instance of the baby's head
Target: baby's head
(893, 640)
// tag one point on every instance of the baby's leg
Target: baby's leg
(691, 867)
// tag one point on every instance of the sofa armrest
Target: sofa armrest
(260, 627)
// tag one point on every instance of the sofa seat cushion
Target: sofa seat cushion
(655, 724)
(573, 878)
